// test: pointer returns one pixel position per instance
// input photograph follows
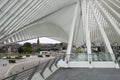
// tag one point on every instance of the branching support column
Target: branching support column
(85, 12)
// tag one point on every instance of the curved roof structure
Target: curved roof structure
(27, 19)
(76, 22)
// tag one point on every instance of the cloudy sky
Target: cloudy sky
(42, 40)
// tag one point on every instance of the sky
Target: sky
(44, 40)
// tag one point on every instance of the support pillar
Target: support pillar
(85, 12)
(72, 29)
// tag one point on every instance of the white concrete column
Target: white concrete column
(13, 40)
(72, 29)
(16, 38)
(85, 12)
(88, 40)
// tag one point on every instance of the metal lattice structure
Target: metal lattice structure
(76, 22)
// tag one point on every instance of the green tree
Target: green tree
(26, 48)
(27, 45)
(20, 50)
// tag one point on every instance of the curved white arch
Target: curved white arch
(47, 29)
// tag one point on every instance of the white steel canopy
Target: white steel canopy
(76, 22)
(96, 21)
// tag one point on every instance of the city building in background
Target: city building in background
(13, 48)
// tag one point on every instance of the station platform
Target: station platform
(86, 74)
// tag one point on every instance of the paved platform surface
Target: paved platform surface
(86, 74)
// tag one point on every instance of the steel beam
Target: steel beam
(107, 17)
(104, 36)
(72, 31)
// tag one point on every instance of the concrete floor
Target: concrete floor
(85, 74)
